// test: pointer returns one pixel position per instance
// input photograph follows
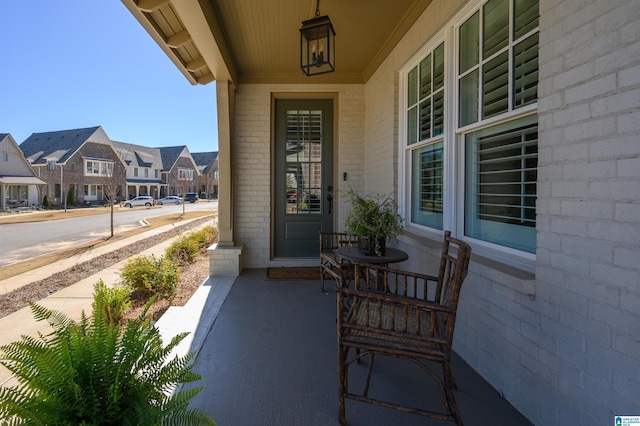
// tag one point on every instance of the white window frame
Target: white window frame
(185, 174)
(98, 167)
(454, 146)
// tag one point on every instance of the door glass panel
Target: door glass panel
(303, 178)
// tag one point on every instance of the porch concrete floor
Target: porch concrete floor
(270, 358)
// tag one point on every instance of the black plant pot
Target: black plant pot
(373, 246)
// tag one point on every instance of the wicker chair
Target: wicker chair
(409, 316)
(340, 270)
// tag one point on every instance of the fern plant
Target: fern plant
(94, 372)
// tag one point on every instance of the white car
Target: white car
(139, 201)
(171, 199)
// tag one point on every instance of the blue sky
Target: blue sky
(67, 64)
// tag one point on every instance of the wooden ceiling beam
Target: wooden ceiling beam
(196, 64)
(150, 5)
(178, 39)
(206, 79)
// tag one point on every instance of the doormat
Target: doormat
(301, 273)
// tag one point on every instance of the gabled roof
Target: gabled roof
(170, 155)
(138, 155)
(59, 145)
(17, 171)
(204, 160)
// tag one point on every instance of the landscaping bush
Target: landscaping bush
(45, 202)
(70, 201)
(206, 237)
(112, 302)
(151, 275)
(185, 249)
(96, 373)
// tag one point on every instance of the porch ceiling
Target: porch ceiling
(257, 41)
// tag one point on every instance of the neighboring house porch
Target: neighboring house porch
(19, 186)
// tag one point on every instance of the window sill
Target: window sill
(501, 273)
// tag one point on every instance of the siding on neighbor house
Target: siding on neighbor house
(253, 174)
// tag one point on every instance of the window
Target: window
(503, 74)
(425, 129)
(98, 168)
(185, 174)
(501, 174)
(146, 172)
(91, 190)
(475, 172)
(5, 156)
(135, 172)
(51, 164)
(156, 173)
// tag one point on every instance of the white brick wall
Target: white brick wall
(252, 159)
(562, 345)
(589, 130)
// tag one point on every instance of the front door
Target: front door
(303, 178)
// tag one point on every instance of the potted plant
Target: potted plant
(374, 219)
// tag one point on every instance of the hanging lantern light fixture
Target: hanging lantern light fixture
(317, 45)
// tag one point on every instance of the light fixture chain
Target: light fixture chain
(318, 8)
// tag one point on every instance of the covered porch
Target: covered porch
(270, 357)
(549, 313)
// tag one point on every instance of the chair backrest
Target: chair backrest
(454, 265)
(330, 241)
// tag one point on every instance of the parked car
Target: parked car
(171, 199)
(191, 197)
(139, 201)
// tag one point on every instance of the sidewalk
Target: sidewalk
(74, 299)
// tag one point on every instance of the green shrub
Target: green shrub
(45, 202)
(185, 249)
(151, 275)
(70, 201)
(112, 302)
(206, 236)
(94, 372)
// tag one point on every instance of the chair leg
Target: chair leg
(367, 382)
(343, 385)
(450, 399)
